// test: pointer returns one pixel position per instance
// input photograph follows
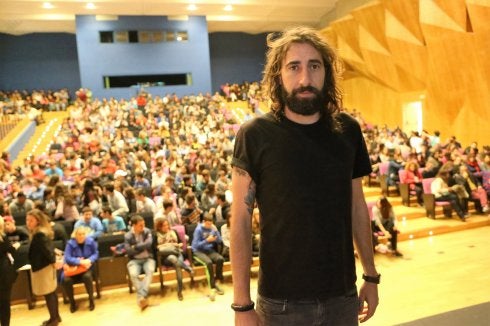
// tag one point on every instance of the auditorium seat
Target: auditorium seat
(430, 202)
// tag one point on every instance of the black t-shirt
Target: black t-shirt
(303, 176)
(19, 235)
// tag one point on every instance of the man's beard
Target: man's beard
(304, 106)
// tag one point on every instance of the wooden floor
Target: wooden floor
(436, 274)
(444, 267)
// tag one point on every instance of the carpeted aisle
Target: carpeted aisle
(478, 315)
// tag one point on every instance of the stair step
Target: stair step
(425, 227)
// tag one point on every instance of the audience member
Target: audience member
(442, 192)
(17, 235)
(8, 275)
(190, 214)
(223, 207)
(386, 223)
(170, 249)
(21, 205)
(117, 202)
(205, 243)
(112, 223)
(138, 244)
(473, 187)
(91, 222)
(42, 259)
(144, 204)
(80, 252)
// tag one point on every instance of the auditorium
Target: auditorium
(128, 129)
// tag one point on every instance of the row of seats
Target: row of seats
(403, 190)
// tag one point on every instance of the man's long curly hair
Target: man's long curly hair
(279, 44)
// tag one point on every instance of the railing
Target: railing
(8, 122)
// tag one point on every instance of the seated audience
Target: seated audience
(117, 201)
(168, 213)
(21, 205)
(170, 250)
(17, 235)
(205, 249)
(442, 192)
(138, 244)
(80, 252)
(473, 187)
(112, 223)
(144, 204)
(223, 207)
(91, 222)
(190, 214)
(414, 179)
(66, 209)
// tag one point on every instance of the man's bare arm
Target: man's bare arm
(361, 231)
(243, 189)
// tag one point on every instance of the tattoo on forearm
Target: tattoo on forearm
(240, 172)
(250, 198)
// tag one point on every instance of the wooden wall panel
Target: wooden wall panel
(479, 14)
(405, 11)
(435, 47)
(371, 17)
(378, 104)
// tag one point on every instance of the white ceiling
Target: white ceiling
(250, 16)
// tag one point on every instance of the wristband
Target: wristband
(371, 279)
(239, 308)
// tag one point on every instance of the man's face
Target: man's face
(302, 79)
(87, 216)
(9, 227)
(139, 227)
(208, 224)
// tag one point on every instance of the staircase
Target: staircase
(43, 136)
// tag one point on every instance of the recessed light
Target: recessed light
(228, 8)
(192, 7)
(90, 5)
(48, 5)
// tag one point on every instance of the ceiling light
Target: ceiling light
(228, 8)
(48, 5)
(90, 5)
(192, 7)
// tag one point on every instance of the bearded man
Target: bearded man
(301, 164)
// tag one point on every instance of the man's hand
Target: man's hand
(369, 295)
(247, 318)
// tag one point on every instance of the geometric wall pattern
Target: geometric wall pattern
(393, 50)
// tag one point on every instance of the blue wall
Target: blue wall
(114, 59)
(236, 57)
(35, 61)
(50, 61)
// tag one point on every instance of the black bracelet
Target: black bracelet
(371, 279)
(240, 308)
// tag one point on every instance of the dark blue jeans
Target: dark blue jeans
(338, 311)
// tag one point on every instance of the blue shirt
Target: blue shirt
(113, 225)
(95, 224)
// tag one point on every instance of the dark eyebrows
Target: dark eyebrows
(297, 62)
(320, 62)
